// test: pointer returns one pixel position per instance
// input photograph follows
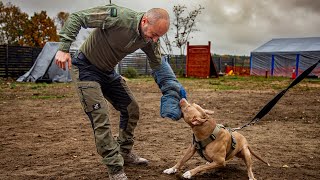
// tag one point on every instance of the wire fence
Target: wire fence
(140, 62)
(240, 65)
(17, 60)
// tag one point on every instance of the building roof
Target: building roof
(309, 44)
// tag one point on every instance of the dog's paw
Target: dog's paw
(187, 175)
(170, 171)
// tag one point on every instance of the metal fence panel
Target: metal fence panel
(16, 60)
(178, 64)
(239, 65)
(137, 61)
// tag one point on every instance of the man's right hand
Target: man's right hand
(61, 59)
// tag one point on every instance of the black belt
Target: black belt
(82, 57)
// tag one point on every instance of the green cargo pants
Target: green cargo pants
(95, 88)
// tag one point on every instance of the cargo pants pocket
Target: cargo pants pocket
(91, 96)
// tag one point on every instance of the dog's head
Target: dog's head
(193, 114)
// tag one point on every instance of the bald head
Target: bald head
(156, 14)
(154, 24)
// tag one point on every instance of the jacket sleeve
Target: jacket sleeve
(172, 90)
(96, 17)
(152, 50)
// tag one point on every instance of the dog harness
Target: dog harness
(201, 145)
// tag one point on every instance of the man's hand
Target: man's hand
(61, 59)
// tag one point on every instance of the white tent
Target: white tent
(44, 69)
(285, 56)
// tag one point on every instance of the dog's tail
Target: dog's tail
(251, 151)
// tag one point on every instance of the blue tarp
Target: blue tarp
(44, 67)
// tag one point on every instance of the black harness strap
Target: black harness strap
(233, 143)
(274, 101)
(201, 145)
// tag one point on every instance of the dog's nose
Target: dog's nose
(183, 100)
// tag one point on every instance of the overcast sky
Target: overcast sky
(233, 26)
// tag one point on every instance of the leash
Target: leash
(274, 101)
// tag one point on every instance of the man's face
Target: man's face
(152, 32)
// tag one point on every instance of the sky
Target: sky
(234, 27)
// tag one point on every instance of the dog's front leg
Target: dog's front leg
(215, 164)
(189, 153)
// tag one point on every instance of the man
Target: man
(119, 31)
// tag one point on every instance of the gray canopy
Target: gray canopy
(284, 56)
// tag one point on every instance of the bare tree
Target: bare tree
(184, 23)
(168, 49)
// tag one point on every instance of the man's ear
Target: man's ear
(144, 20)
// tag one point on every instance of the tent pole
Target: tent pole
(297, 64)
(272, 66)
(250, 63)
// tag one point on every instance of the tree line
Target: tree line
(17, 28)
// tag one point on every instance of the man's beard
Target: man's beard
(146, 38)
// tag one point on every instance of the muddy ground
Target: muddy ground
(45, 135)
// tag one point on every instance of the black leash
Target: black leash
(274, 101)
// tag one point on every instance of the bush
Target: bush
(131, 72)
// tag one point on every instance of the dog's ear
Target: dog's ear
(204, 112)
(198, 121)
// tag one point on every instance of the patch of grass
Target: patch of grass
(236, 78)
(48, 97)
(12, 85)
(149, 80)
(39, 86)
(276, 86)
(314, 80)
(224, 87)
(215, 83)
(139, 79)
(131, 72)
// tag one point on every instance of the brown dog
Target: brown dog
(213, 142)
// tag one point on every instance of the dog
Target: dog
(214, 142)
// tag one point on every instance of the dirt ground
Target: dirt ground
(44, 133)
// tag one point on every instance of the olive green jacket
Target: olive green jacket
(116, 35)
